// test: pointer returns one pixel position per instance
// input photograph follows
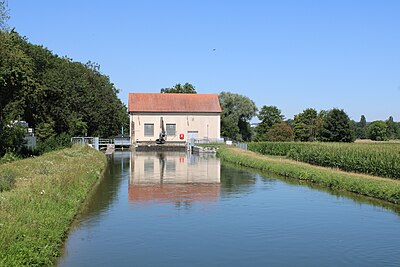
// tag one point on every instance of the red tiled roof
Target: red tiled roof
(198, 103)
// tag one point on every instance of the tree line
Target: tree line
(56, 96)
(310, 125)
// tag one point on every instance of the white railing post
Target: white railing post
(96, 143)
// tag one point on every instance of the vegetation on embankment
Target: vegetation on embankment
(380, 159)
(35, 215)
(372, 186)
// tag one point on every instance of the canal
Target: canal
(174, 209)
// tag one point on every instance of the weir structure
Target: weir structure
(99, 143)
(125, 142)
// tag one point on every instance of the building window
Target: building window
(171, 129)
(148, 129)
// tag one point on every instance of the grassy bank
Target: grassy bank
(372, 186)
(380, 159)
(36, 213)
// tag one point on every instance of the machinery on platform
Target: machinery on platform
(163, 134)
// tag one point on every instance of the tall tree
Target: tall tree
(337, 127)
(321, 117)
(187, 88)
(16, 84)
(305, 125)
(269, 116)
(361, 128)
(237, 111)
(392, 128)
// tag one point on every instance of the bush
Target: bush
(9, 157)
(53, 143)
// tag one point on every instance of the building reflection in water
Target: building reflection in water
(177, 178)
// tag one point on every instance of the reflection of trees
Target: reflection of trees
(236, 180)
(105, 192)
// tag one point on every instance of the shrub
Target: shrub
(9, 157)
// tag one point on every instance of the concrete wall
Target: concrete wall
(207, 125)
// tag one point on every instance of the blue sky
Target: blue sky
(291, 54)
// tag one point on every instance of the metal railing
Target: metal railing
(97, 142)
(241, 145)
(82, 140)
(105, 141)
(209, 141)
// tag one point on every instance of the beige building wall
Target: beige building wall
(199, 126)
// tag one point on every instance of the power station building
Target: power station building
(181, 117)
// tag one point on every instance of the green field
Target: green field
(38, 207)
(380, 159)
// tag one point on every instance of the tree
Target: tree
(187, 88)
(77, 127)
(56, 96)
(11, 138)
(15, 85)
(45, 130)
(363, 121)
(392, 128)
(321, 117)
(398, 133)
(305, 125)
(4, 15)
(268, 115)
(237, 111)
(337, 127)
(378, 131)
(280, 132)
(361, 128)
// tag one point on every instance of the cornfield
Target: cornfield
(380, 159)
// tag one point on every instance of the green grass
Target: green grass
(371, 186)
(35, 215)
(7, 180)
(380, 159)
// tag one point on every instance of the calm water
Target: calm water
(181, 210)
